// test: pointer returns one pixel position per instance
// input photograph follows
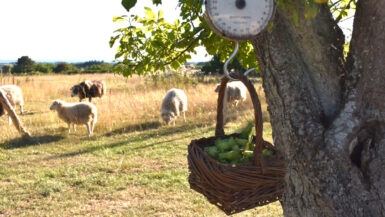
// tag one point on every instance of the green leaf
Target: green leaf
(157, 44)
(160, 13)
(295, 18)
(119, 54)
(113, 39)
(128, 4)
(346, 49)
(311, 10)
(149, 13)
(175, 65)
(270, 26)
(118, 19)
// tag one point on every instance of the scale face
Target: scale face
(239, 19)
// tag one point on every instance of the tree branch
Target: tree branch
(366, 60)
(181, 53)
(346, 7)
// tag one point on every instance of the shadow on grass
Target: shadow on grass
(147, 135)
(170, 130)
(28, 113)
(135, 127)
(36, 140)
(157, 143)
(166, 130)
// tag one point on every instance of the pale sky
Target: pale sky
(69, 30)
(66, 30)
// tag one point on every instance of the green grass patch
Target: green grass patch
(134, 167)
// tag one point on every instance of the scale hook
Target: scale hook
(227, 73)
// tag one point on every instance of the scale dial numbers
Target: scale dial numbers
(239, 19)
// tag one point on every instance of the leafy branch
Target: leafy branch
(342, 8)
(149, 43)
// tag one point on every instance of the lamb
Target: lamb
(15, 98)
(76, 113)
(89, 89)
(235, 92)
(174, 103)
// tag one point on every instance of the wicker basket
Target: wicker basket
(235, 188)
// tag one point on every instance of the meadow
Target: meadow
(133, 165)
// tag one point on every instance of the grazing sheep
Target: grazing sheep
(15, 98)
(76, 113)
(235, 92)
(174, 103)
(89, 89)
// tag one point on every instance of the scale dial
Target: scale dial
(239, 19)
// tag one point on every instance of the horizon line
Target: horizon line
(73, 61)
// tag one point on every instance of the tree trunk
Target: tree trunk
(6, 105)
(328, 114)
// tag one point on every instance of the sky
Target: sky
(70, 30)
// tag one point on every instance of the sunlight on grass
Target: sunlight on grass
(132, 166)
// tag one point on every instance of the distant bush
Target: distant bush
(63, 68)
(24, 65)
(88, 63)
(6, 68)
(44, 67)
(215, 66)
(170, 80)
(104, 67)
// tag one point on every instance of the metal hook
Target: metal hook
(229, 60)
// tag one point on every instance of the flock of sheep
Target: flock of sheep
(173, 105)
(175, 101)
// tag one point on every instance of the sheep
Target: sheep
(15, 98)
(89, 89)
(174, 103)
(235, 92)
(76, 113)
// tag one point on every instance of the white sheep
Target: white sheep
(174, 103)
(76, 113)
(235, 92)
(15, 98)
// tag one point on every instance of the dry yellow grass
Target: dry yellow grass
(132, 166)
(130, 103)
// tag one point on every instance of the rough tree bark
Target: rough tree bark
(328, 114)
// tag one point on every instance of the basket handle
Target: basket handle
(219, 132)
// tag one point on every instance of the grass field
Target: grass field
(133, 165)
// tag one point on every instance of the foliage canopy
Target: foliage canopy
(148, 44)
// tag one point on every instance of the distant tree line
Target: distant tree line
(26, 65)
(215, 66)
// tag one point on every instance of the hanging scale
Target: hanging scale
(238, 20)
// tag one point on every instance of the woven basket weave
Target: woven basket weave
(236, 188)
